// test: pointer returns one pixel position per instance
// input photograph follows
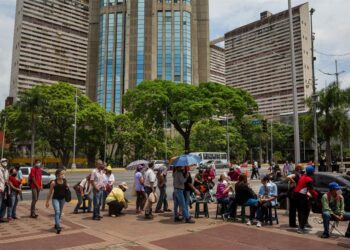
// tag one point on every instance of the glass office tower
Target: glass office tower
(135, 40)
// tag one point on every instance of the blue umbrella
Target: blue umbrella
(186, 160)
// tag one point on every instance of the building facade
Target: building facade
(258, 59)
(135, 40)
(217, 64)
(50, 44)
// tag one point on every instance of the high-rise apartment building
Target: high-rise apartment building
(50, 43)
(217, 64)
(258, 59)
(135, 40)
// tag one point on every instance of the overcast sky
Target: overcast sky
(331, 25)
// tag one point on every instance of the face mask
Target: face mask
(38, 165)
(4, 164)
(339, 192)
(14, 175)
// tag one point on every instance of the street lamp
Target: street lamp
(3, 138)
(295, 97)
(228, 142)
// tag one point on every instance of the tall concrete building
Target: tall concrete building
(50, 43)
(135, 40)
(258, 59)
(217, 64)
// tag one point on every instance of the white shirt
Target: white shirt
(98, 177)
(87, 187)
(4, 177)
(150, 176)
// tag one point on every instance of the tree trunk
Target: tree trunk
(187, 143)
(65, 159)
(328, 154)
(91, 158)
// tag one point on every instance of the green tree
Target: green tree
(185, 104)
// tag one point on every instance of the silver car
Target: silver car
(46, 177)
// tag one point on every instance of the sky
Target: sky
(331, 27)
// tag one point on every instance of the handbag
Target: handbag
(7, 196)
(68, 194)
(152, 198)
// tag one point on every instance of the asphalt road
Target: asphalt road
(128, 177)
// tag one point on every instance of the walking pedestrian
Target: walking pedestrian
(36, 185)
(150, 187)
(286, 168)
(179, 198)
(139, 189)
(4, 177)
(58, 189)
(162, 181)
(97, 181)
(15, 185)
(83, 190)
(255, 171)
(302, 193)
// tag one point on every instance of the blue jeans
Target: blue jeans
(253, 205)
(11, 211)
(58, 207)
(80, 201)
(162, 199)
(179, 199)
(187, 195)
(97, 198)
(327, 217)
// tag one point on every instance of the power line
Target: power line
(332, 55)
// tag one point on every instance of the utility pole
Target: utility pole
(314, 95)
(165, 133)
(74, 166)
(271, 143)
(295, 94)
(228, 142)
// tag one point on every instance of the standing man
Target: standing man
(4, 176)
(150, 187)
(36, 185)
(302, 193)
(333, 209)
(97, 180)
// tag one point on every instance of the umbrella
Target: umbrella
(186, 160)
(133, 165)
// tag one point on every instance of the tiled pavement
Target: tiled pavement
(133, 232)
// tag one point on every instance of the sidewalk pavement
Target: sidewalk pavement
(84, 170)
(132, 231)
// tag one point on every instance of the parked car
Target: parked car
(217, 163)
(159, 163)
(321, 181)
(46, 177)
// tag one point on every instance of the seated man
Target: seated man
(267, 197)
(116, 200)
(333, 208)
(234, 173)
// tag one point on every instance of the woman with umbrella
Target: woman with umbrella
(180, 178)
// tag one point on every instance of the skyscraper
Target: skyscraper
(258, 59)
(50, 43)
(217, 64)
(135, 40)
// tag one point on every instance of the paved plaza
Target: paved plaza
(131, 231)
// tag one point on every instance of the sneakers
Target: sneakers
(177, 219)
(325, 236)
(249, 223)
(3, 220)
(190, 221)
(258, 224)
(308, 226)
(301, 231)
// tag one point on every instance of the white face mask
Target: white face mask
(4, 164)
(38, 165)
(339, 192)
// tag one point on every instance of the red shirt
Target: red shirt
(15, 182)
(305, 184)
(234, 174)
(35, 173)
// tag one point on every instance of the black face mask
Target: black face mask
(14, 175)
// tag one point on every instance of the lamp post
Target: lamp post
(314, 95)
(228, 142)
(295, 97)
(165, 133)
(74, 166)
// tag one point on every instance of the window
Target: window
(187, 47)
(160, 46)
(140, 41)
(101, 59)
(118, 62)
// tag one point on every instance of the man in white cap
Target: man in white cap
(4, 176)
(116, 200)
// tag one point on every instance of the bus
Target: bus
(211, 156)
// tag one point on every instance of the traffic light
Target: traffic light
(264, 125)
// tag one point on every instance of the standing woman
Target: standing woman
(58, 187)
(140, 189)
